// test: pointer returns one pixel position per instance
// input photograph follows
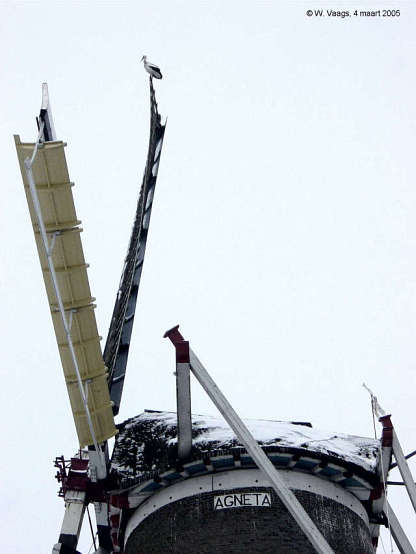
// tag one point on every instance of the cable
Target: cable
(92, 531)
(382, 544)
(92, 546)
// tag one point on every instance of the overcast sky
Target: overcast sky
(283, 232)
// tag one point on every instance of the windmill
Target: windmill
(293, 476)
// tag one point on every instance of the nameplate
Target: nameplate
(243, 500)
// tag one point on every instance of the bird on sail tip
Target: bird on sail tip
(151, 68)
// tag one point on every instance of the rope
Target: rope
(374, 419)
(92, 546)
(92, 531)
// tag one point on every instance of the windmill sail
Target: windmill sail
(118, 340)
(57, 233)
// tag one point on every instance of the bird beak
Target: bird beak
(142, 58)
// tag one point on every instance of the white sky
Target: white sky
(283, 233)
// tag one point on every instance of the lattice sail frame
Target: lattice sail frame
(118, 339)
(54, 191)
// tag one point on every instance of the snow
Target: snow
(211, 432)
(358, 450)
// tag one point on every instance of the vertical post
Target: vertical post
(293, 505)
(97, 473)
(103, 527)
(390, 444)
(378, 494)
(71, 525)
(183, 399)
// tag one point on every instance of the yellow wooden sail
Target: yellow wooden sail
(54, 190)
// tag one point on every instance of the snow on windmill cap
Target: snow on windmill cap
(146, 445)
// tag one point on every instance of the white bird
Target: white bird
(151, 68)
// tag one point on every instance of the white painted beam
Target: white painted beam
(404, 470)
(399, 536)
(262, 461)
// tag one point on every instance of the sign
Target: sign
(242, 500)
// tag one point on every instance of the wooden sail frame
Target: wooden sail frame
(67, 287)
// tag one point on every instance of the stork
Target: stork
(151, 68)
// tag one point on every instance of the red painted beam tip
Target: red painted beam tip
(174, 335)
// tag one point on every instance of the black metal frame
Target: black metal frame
(118, 340)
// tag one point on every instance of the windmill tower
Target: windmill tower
(177, 482)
